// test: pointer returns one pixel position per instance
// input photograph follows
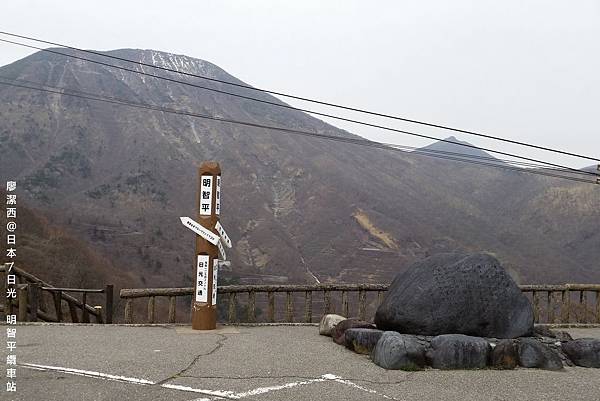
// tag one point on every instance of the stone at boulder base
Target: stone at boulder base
(456, 293)
(583, 352)
(338, 332)
(534, 354)
(505, 355)
(362, 341)
(457, 351)
(328, 322)
(543, 331)
(395, 351)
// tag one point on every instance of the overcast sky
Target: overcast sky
(525, 70)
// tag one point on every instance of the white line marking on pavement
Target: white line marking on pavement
(215, 393)
(264, 390)
(90, 374)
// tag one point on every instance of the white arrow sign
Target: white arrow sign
(223, 234)
(201, 231)
(221, 250)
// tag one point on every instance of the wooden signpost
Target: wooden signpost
(209, 244)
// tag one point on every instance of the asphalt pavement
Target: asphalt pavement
(113, 362)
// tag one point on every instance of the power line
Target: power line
(403, 147)
(303, 110)
(321, 102)
(362, 142)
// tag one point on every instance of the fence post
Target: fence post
(108, 310)
(151, 302)
(22, 296)
(288, 307)
(34, 293)
(536, 306)
(362, 304)
(85, 317)
(271, 308)
(172, 309)
(308, 306)
(251, 308)
(129, 311)
(231, 315)
(57, 295)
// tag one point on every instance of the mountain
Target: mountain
(298, 209)
(452, 146)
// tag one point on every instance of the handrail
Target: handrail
(60, 294)
(60, 289)
(182, 291)
(564, 291)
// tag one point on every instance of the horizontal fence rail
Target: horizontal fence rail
(34, 297)
(554, 304)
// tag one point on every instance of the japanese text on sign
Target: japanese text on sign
(206, 182)
(202, 278)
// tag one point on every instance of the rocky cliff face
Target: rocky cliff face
(298, 209)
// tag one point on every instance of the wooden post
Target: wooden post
(129, 311)
(583, 301)
(172, 309)
(98, 309)
(231, 315)
(308, 306)
(345, 309)
(34, 293)
(151, 309)
(566, 303)
(598, 306)
(271, 307)
(327, 302)
(57, 295)
(536, 306)
(204, 313)
(362, 304)
(550, 307)
(108, 311)
(73, 312)
(22, 297)
(85, 315)
(288, 307)
(251, 309)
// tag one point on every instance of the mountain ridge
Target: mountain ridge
(294, 206)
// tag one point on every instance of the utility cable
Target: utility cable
(304, 110)
(310, 100)
(363, 142)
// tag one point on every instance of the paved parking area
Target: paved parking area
(95, 362)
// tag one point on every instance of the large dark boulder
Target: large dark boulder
(395, 351)
(583, 352)
(457, 351)
(534, 354)
(456, 293)
(338, 332)
(362, 341)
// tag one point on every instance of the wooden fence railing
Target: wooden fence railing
(568, 303)
(34, 296)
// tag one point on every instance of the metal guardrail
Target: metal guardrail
(567, 303)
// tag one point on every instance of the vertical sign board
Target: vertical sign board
(202, 278)
(214, 281)
(205, 195)
(218, 199)
(204, 308)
